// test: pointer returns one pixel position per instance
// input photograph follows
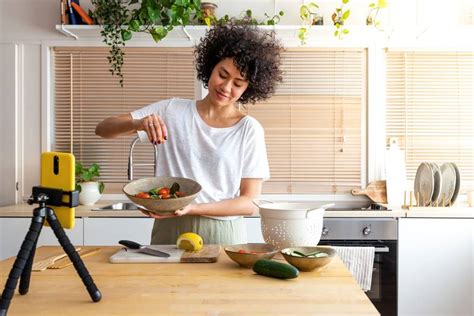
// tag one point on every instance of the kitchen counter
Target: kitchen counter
(187, 289)
(25, 210)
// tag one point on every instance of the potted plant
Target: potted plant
(339, 17)
(372, 16)
(309, 15)
(156, 17)
(90, 190)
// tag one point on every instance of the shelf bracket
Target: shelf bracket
(187, 34)
(67, 32)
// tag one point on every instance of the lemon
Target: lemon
(189, 242)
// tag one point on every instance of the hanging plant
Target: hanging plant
(372, 17)
(309, 15)
(245, 18)
(339, 18)
(156, 17)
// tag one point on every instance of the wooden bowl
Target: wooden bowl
(308, 263)
(188, 187)
(242, 254)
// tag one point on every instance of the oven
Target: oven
(380, 233)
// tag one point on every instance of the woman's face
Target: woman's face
(226, 84)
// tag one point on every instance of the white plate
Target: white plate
(448, 184)
(458, 183)
(424, 184)
(437, 183)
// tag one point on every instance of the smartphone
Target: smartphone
(58, 172)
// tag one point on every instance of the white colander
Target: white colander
(292, 224)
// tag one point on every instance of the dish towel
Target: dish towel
(360, 262)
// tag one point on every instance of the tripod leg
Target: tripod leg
(74, 256)
(26, 274)
(24, 255)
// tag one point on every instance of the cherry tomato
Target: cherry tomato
(165, 196)
(163, 191)
(179, 194)
(143, 195)
(243, 251)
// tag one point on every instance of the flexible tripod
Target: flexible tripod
(24, 261)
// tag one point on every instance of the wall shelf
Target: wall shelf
(359, 34)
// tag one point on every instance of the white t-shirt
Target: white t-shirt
(217, 158)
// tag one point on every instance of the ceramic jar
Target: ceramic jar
(89, 193)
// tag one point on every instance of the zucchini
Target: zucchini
(275, 269)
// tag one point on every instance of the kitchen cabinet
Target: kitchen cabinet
(436, 266)
(14, 229)
(109, 230)
(254, 229)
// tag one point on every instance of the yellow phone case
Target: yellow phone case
(61, 178)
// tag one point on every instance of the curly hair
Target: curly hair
(256, 55)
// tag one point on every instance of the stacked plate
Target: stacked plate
(437, 185)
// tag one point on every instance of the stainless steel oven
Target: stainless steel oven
(380, 233)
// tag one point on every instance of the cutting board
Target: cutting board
(376, 191)
(395, 173)
(209, 253)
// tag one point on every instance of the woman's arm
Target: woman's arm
(118, 125)
(242, 205)
(124, 124)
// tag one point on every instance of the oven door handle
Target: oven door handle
(382, 249)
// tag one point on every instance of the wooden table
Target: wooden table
(220, 288)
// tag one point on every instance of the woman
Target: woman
(210, 140)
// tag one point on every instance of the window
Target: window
(314, 123)
(86, 93)
(430, 109)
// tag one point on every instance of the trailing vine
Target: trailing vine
(156, 17)
(112, 14)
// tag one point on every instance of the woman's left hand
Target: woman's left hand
(185, 210)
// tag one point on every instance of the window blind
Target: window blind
(86, 93)
(430, 109)
(313, 123)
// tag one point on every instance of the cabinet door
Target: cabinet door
(14, 229)
(435, 272)
(108, 231)
(254, 230)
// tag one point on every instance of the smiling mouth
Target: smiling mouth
(220, 94)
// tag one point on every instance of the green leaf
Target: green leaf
(158, 33)
(281, 13)
(346, 14)
(304, 12)
(382, 4)
(126, 35)
(152, 14)
(336, 33)
(134, 25)
(78, 168)
(345, 31)
(78, 187)
(101, 187)
(249, 13)
(345, 1)
(313, 5)
(372, 5)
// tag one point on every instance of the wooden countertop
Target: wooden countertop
(220, 288)
(25, 210)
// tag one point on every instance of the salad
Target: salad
(162, 193)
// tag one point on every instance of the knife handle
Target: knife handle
(130, 244)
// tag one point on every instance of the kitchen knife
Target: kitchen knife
(143, 249)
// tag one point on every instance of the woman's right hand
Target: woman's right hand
(154, 127)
